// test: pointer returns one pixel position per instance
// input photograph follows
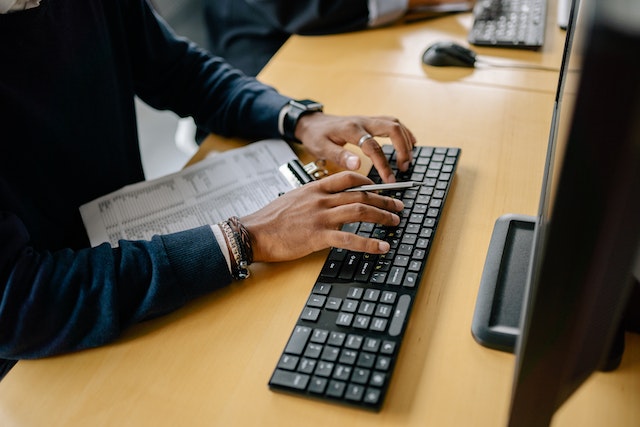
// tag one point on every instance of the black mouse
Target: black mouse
(448, 54)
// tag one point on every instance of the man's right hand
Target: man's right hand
(310, 218)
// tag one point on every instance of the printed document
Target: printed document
(235, 182)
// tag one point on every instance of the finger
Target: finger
(403, 141)
(404, 147)
(339, 182)
(353, 242)
(402, 138)
(331, 149)
(360, 212)
(370, 199)
(373, 150)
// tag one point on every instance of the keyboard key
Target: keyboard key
(354, 341)
(371, 344)
(330, 353)
(344, 319)
(288, 362)
(321, 288)
(348, 357)
(378, 324)
(372, 396)
(311, 314)
(360, 376)
(377, 379)
(313, 351)
(354, 392)
(336, 388)
(298, 340)
(333, 303)
(366, 360)
(290, 379)
(317, 385)
(324, 369)
(319, 336)
(336, 338)
(307, 366)
(388, 347)
(316, 300)
(397, 321)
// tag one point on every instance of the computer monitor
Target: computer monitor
(556, 287)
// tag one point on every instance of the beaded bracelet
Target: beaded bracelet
(237, 227)
(239, 244)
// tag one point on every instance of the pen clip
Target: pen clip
(298, 174)
(317, 169)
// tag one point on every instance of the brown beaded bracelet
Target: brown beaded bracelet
(239, 244)
(239, 228)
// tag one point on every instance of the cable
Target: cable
(514, 65)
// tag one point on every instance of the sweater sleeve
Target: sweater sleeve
(314, 17)
(57, 301)
(172, 73)
(52, 303)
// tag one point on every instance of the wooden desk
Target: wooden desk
(398, 51)
(209, 363)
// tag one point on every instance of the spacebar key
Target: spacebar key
(399, 315)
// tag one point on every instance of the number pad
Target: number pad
(365, 309)
(356, 369)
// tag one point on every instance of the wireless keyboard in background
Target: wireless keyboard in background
(345, 343)
(509, 23)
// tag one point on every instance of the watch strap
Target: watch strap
(295, 110)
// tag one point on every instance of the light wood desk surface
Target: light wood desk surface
(209, 363)
(398, 51)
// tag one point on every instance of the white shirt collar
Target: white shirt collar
(7, 6)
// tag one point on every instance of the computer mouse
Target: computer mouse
(449, 54)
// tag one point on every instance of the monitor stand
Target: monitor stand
(497, 316)
(496, 320)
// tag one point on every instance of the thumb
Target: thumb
(344, 158)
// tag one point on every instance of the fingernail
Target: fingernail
(406, 165)
(391, 178)
(399, 205)
(384, 246)
(353, 162)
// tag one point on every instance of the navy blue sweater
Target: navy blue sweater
(69, 73)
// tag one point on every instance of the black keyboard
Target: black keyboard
(509, 23)
(345, 343)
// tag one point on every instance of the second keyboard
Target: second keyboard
(509, 23)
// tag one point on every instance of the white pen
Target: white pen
(386, 186)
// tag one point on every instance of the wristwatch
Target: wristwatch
(297, 109)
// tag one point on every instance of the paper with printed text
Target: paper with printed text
(235, 182)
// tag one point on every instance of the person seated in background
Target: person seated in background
(248, 32)
(71, 70)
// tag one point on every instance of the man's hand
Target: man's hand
(309, 219)
(324, 136)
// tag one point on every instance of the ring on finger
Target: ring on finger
(363, 138)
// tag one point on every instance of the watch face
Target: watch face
(307, 104)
